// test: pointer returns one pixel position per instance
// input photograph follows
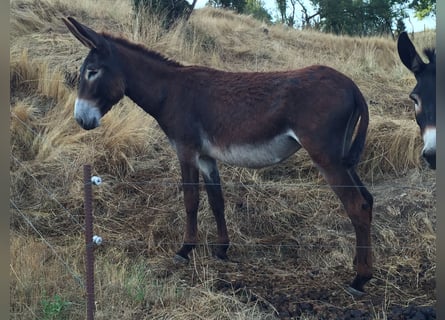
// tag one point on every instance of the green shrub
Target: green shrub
(169, 11)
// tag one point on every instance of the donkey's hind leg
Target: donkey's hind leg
(368, 198)
(357, 202)
(212, 181)
(190, 180)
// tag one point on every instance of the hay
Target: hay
(290, 236)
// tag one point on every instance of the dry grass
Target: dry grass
(290, 236)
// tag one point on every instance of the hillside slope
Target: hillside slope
(292, 244)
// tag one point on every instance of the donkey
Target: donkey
(244, 119)
(423, 94)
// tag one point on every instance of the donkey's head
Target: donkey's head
(101, 81)
(423, 94)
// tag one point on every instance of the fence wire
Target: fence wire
(75, 276)
(168, 182)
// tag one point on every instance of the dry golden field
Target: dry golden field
(292, 243)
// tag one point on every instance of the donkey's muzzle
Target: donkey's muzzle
(87, 124)
(429, 145)
(87, 114)
(430, 157)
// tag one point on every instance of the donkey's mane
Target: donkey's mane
(431, 54)
(141, 48)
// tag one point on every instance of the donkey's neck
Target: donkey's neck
(147, 75)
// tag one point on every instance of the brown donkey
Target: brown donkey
(243, 119)
(423, 94)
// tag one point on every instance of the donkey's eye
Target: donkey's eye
(414, 97)
(91, 74)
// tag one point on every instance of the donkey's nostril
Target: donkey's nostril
(87, 125)
(427, 153)
(80, 121)
(430, 157)
(90, 125)
(87, 114)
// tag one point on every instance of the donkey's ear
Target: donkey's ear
(408, 53)
(88, 37)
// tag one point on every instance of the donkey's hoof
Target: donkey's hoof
(178, 259)
(356, 293)
(219, 252)
(221, 256)
(224, 258)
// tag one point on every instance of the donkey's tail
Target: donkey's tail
(361, 116)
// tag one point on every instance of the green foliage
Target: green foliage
(289, 19)
(169, 11)
(337, 16)
(355, 17)
(282, 6)
(236, 5)
(53, 308)
(400, 26)
(249, 7)
(423, 8)
(136, 283)
(257, 10)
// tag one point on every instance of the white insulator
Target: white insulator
(97, 240)
(96, 180)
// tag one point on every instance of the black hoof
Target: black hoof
(355, 292)
(222, 257)
(182, 256)
(178, 259)
(356, 288)
(220, 252)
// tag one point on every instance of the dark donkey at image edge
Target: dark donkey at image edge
(423, 94)
(243, 119)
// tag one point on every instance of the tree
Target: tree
(423, 8)
(400, 26)
(306, 18)
(360, 17)
(236, 5)
(249, 7)
(355, 17)
(169, 11)
(379, 17)
(257, 10)
(290, 18)
(282, 8)
(338, 17)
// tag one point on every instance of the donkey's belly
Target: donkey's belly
(256, 155)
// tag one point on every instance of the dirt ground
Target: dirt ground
(284, 280)
(277, 262)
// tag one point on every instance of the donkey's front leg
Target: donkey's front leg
(212, 181)
(190, 180)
